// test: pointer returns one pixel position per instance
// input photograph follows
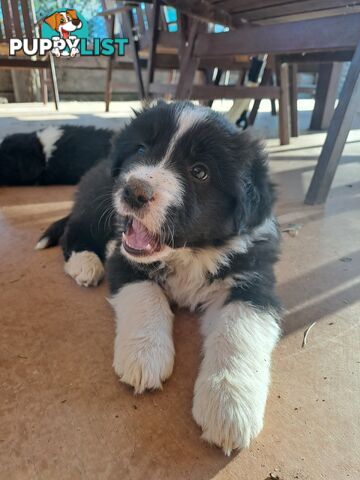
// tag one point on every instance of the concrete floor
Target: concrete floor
(63, 413)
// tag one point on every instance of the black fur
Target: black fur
(22, 159)
(237, 198)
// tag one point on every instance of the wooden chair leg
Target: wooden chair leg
(339, 128)
(109, 69)
(188, 64)
(284, 113)
(325, 95)
(153, 28)
(273, 101)
(266, 80)
(293, 70)
(54, 82)
(43, 86)
(134, 49)
(108, 85)
(215, 82)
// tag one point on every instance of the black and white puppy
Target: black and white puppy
(183, 211)
(54, 155)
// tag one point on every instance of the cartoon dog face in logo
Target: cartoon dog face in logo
(64, 23)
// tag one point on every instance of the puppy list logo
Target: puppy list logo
(65, 33)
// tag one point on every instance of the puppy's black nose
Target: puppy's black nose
(137, 193)
(75, 21)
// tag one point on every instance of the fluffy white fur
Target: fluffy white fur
(110, 248)
(232, 386)
(187, 118)
(187, 283)
(48, 138)
(85, 268)
(144, 349)
(168, 188)
(41, 244)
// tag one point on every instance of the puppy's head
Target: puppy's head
(184, 176)
(64, 22)
(22, 160)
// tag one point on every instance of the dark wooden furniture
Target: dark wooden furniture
(279, 28)
(155, 45)
(19, 21)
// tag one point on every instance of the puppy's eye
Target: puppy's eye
(199, 171)
(140, 149)
(62, 20)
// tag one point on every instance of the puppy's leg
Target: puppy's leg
(144, 349)
(90, 228)
(232, 386)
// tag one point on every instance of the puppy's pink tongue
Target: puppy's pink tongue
(137, 236)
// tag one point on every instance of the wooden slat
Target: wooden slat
(333, 33)
(7, 19)
(204, 11)
(16, 18)
(291, 8)
(28, 23)
(309, 15)
(251, 5)
(318, 57)
(349, 102)
(207, 92)
(6, 63)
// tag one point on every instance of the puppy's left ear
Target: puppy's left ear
(72, 14)
(255, 191)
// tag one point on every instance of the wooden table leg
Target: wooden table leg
(325, 96)
(339, 128)
(284, 113)
(293, 100)
(54, 83)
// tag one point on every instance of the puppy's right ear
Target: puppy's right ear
(51, 21)
(135, 112)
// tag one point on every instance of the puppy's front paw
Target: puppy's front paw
(229, 416)
(85, 268)
(144, 362)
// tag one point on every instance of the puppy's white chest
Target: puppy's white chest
(188, 282)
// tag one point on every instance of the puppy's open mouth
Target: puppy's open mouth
(139, 241)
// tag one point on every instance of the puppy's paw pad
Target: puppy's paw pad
(144, 366)
(85, 268)
(226, 418)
